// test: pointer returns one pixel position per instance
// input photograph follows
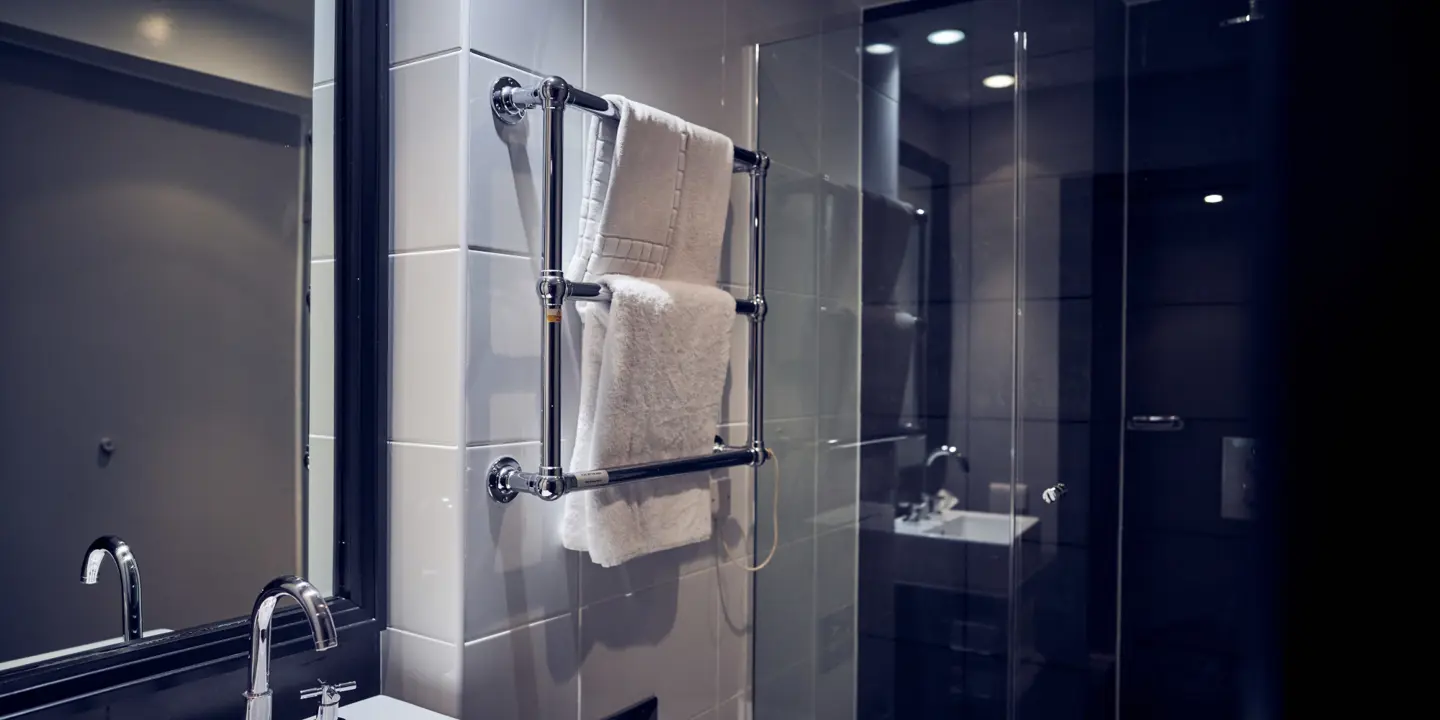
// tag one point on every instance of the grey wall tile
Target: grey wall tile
(785, 611)
(790, 93)
(426, 520)
(421, 671)
(670, 631)
(426, 125)
(423, 27)
(322, 174)
(425, 348)
(791, 356)
(544, 36)
(502, 372)
(790, 695)
(792, 213)
(793, 442)
(321, 402)
(624, 38)
(1055, 359)
(324, 41)
(505, 168)
(529, 672)
(516, 570)
(735, 629)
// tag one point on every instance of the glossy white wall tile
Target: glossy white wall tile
(542, 36)
(734, 628)
(426, 125)
(425, 347)
(426, 517)
(502, 373)
(324, 40)
(424, 27)
(421, 671)
(504, 181)
(516, 571)
(322, 173)
(321, 401)
(528, 673)
(320, 515)
(661, 642)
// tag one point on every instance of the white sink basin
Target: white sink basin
(385, 708)
(969, 526)
(21, 662)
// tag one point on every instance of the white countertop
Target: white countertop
(385, 708)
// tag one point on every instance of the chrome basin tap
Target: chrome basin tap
(117, 550)
(322, 630)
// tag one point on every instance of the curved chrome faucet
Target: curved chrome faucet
(117, 550)
(948, 451)
(322, 629)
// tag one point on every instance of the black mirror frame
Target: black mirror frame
(95, 682)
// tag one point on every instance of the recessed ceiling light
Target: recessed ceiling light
(879, 48)
(998, 81)
(1214, 198)
(945, 37)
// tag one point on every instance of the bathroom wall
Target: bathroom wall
(490, 617)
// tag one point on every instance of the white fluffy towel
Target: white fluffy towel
(653, 360)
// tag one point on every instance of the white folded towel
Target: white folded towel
(653, 360)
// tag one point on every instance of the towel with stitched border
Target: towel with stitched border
(653, 360)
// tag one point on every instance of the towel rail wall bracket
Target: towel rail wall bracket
(506, 480)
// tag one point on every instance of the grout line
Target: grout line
(434, 446)
(428, 251)
(423, 58)
(525, 254)
(499, 444)
(322, 85)
(322, 261)
(321, 437)
(402, 631)
(507, 63)
(521, 626)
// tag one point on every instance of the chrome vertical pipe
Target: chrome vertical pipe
(757, 318)
(554, 94)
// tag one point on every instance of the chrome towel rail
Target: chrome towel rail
(550, 481)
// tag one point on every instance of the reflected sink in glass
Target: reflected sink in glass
(969, 526)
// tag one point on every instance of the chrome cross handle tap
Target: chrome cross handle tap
(329, 698)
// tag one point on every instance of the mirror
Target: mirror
(166, 383)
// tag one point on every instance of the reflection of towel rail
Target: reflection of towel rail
(550, 481)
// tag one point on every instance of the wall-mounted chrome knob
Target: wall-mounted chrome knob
(1052, 494)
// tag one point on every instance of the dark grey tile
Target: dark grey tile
(1173, 479)
(789, 94)
(1055, 359)
(992, 353)
(1191, 361)
(1186, 591)
(992, 241)
(1057, 241)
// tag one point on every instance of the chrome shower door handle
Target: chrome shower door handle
(1155, 423)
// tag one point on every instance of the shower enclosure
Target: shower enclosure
(1011, 253)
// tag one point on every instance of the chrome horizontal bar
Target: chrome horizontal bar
(510, 100)
(595, 292)
(506, 480)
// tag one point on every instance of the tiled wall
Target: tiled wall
(490, 616)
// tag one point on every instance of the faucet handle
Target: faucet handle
(327, 690)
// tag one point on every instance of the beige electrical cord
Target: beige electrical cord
(775, 515)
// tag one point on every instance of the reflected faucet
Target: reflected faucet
(926, 507)
(117, 550)
(322, 630)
